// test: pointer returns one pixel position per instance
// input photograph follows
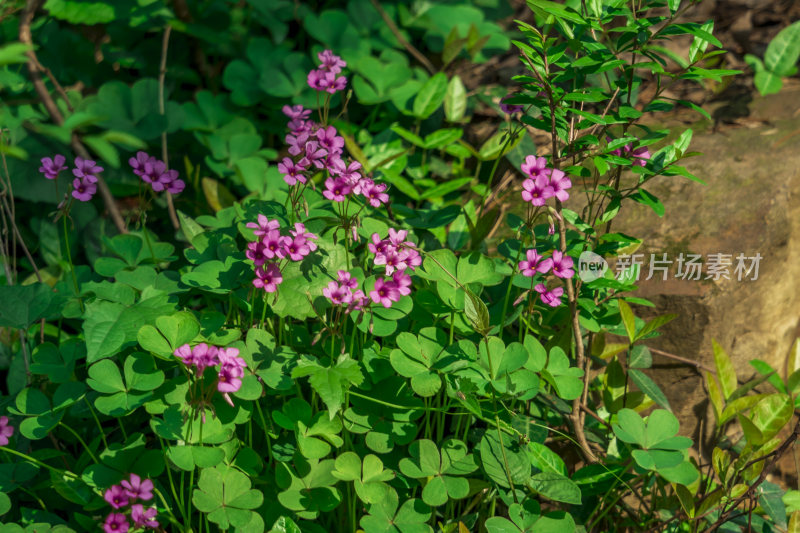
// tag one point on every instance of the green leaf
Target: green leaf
(25, 304)
(772, 413)
(783, 51)
(13, 53)
(224, 493)
(430, 96)
(640, 357)
(494, 460)
(455, 100)
(546, 459)
(330, 382)
(649, 387)
(630, 427)
(498, 145)
(556, 487)
(628, 320)
(725, 372)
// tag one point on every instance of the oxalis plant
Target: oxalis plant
(324, 361)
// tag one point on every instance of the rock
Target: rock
(749, 205)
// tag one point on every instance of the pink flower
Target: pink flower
(385, 292)
(268, 278)
(315, 155)
(273, 245)
(328, 140)
(640, 156)
(83, 190)
(297, 143)
(52, 167)
(322, 80)
(346, 279)
(229, 379)
(509, 109)
(138, 489)
(300, 231)
(296, 112)
(534, 166)
(350, 172)
(204, 356)
(86, 169)
(535, 263)
(116, 523)
(336, 189)
(537, 191)
(560, 183)
(292, 172)
(337, 294)
(296, 248)
(330, 62)
(6, 431)
(551, 298)
(184, 353)
(375, 194)
(403, 282)
(142, 518)
(116, 497)
(562, 265)
(263, 226)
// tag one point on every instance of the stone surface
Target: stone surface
(749, 205)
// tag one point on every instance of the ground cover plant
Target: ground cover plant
(319, 337)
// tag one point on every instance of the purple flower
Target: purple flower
(86, 169)
(52, 167)
(375, 194)
(537, 191)
(360, 301)
(535, 263)
(509, 109)
(142, 518)
(346, 279)
(640, 156)
(273, 245)
(255, 252)
(83, 190)
(296, 112)
(322, 80)
(292, 172)
(314, 155)
(297, 143)
(336, 189)
(6, 430)
(562, 265)
(337, 294)
(560, 183)
(116, 497)
(385, 292)
(330, 62)
(296, 248)
(402, 281)
(300, 231)
(348, 172)
(184, 353)
(116, 523)
(204, 356)
(328, 139)
(176, 186)
(229, 380)
(263, 226)
(268, 277)
(138, 489)
(551, 298)
(138, 163)
(534, 166)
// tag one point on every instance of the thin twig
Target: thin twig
(402, 40)
(47, 100)
(162, 74)
(696, 364)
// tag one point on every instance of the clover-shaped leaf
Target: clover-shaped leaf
(57, 363)
(521, 518)
(661, 447)
(224, 493)
(427, 462)
(416, 357)
(330, 382)
(141, 377)
(386, 517)
(169, 333)
(309, 489)
(315, 434)
(32, 402)
(368, 477)
(566, 380)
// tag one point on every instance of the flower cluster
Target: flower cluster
(345, 291)
(326, 77)
(6, 431)
(640, 155)
(396, 255)
(154, 172)
(124, 495)
(313, 148)
(271, 247)
(561, 266)
(543, 182)
(86, 171)
(230, 366)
